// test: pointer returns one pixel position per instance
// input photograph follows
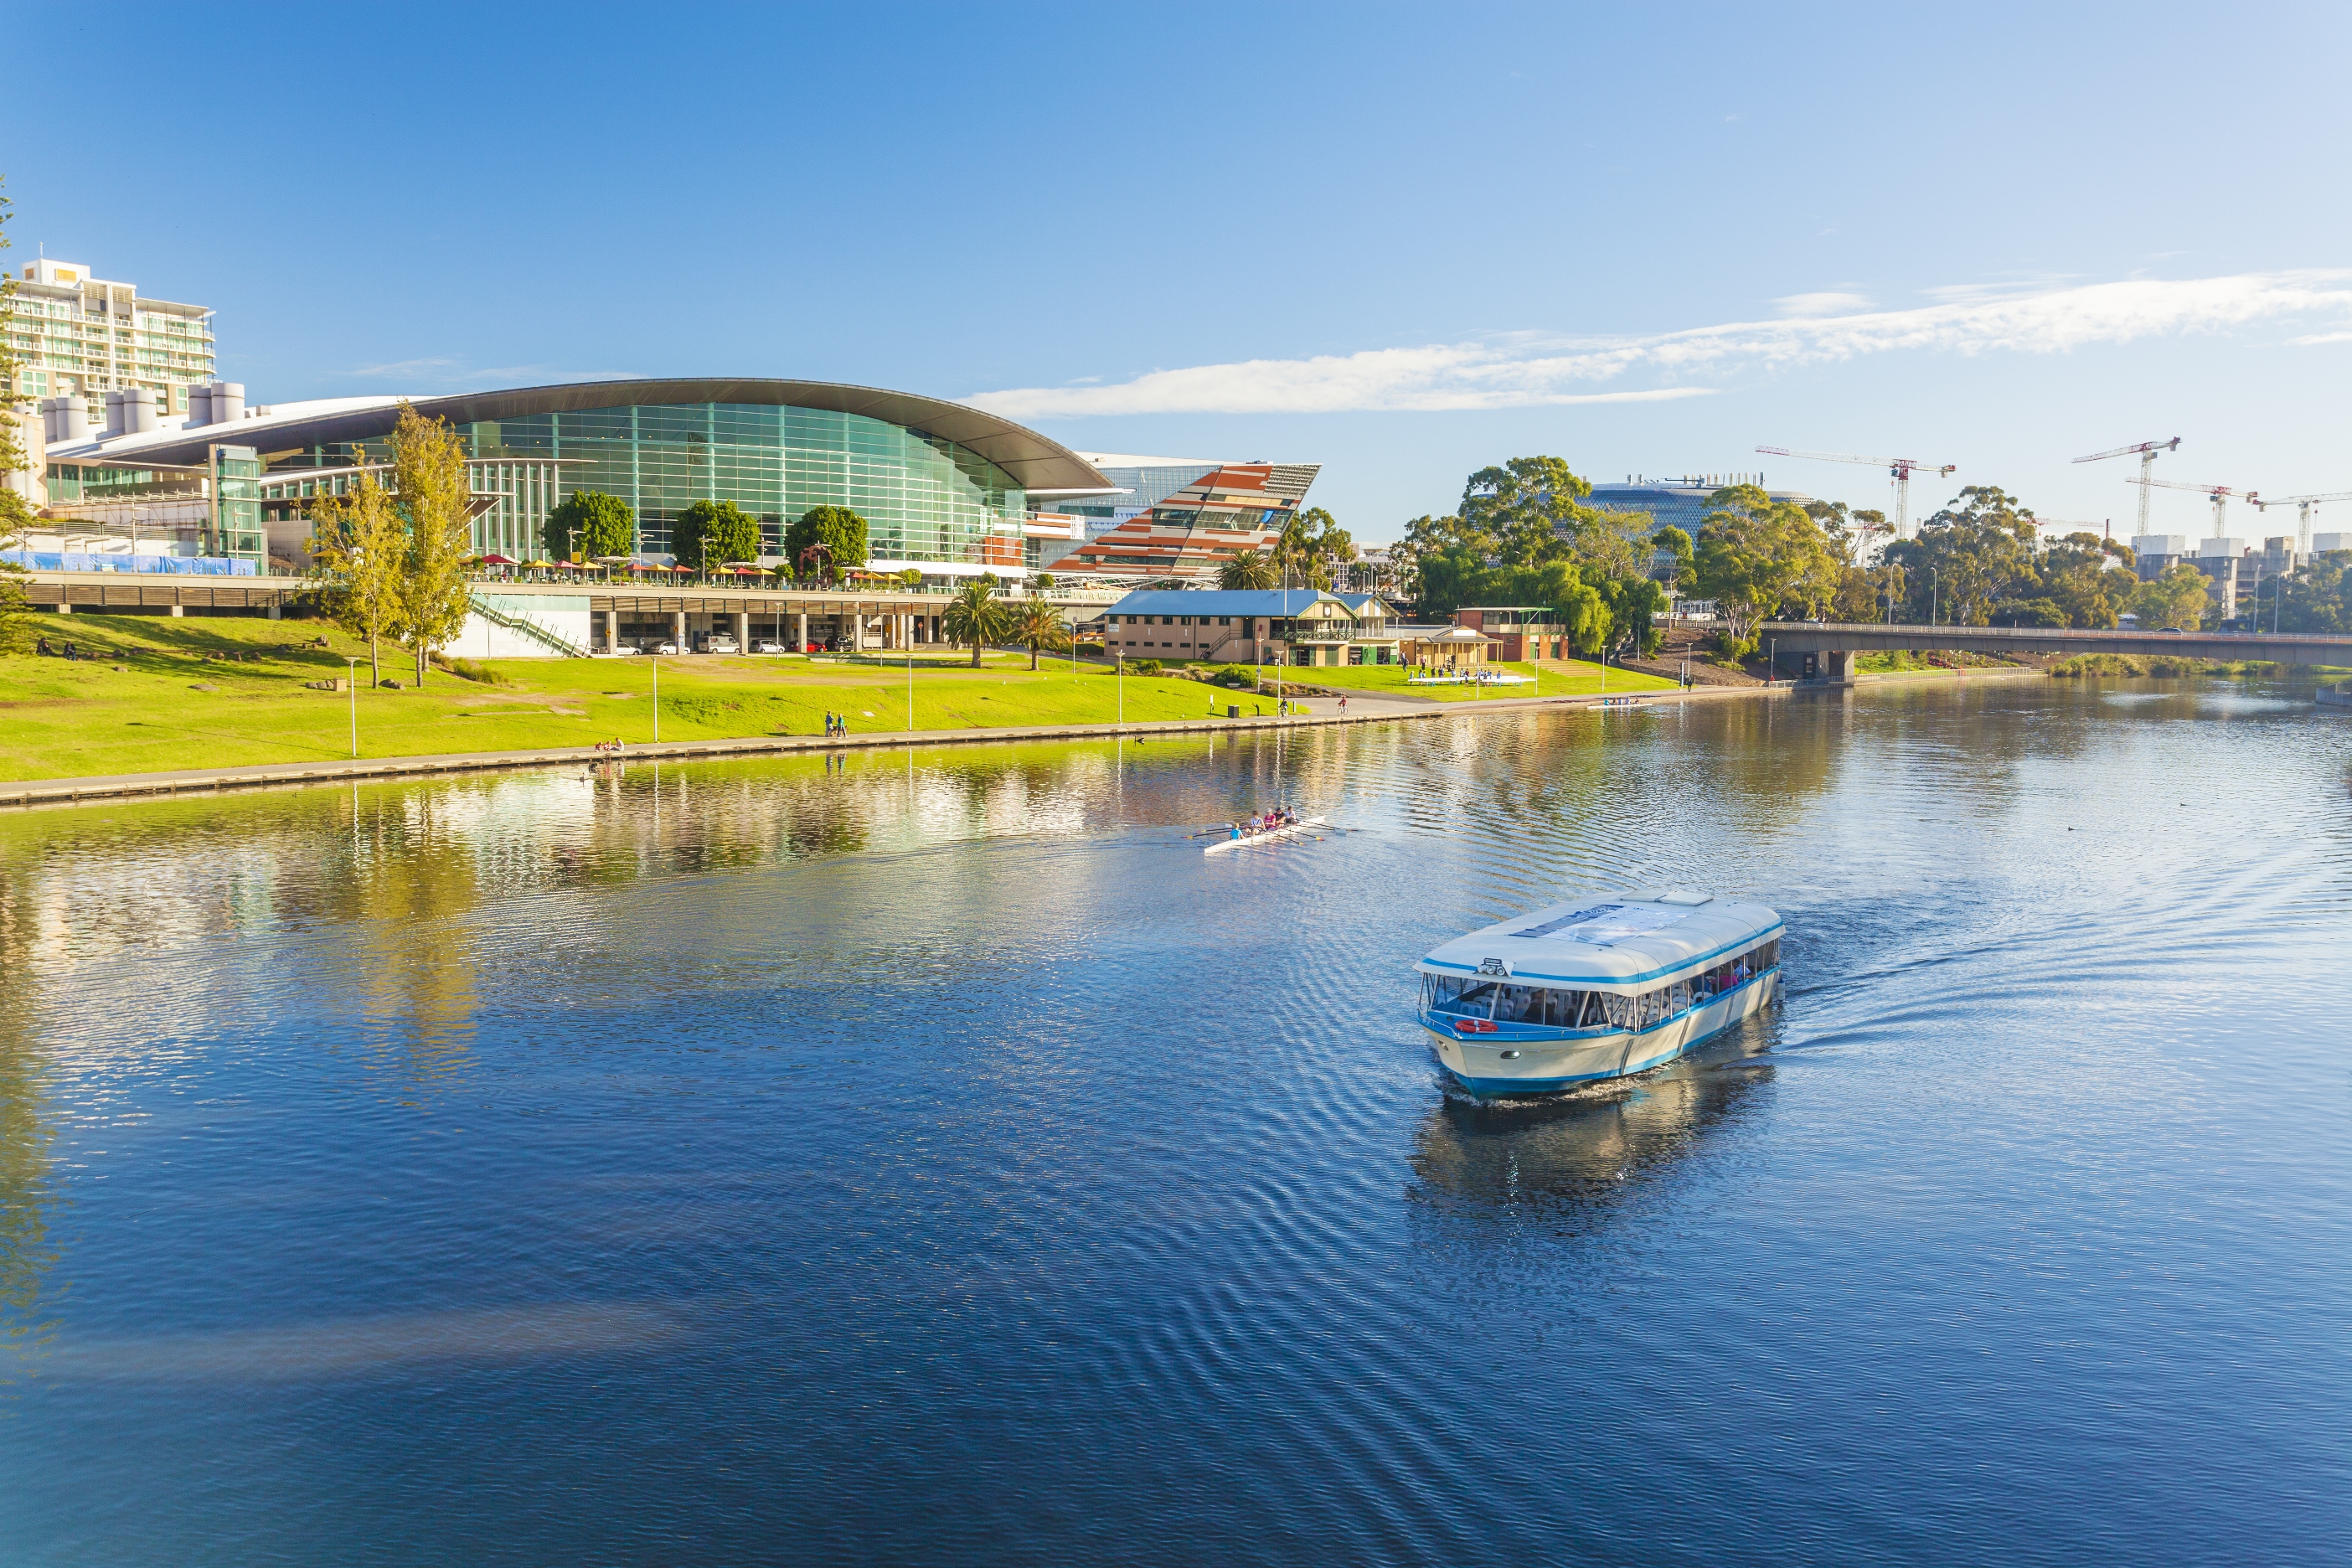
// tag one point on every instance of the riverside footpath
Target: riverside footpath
(1319, 712)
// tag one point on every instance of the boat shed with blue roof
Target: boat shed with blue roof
(1305, 626)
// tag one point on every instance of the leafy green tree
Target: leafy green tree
(2174, 601)
(1532, 508)
(606, 525)
(977, 617)
(1970, 557)
(1037, 626)
(1633, 605)
(1756, 557)
(713, 533)
(826, 539)
(1311, 549)
(1043, 581)
(1248, 569)
(2319, 597)
(1676, 542)
(2083, 580)
(359, 542)
(429, 477)
(15, 517)
(13, 457)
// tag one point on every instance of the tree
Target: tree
(1310, 549)
(2175, 601)
(2319, 597)
(1036, 624)
(713, 533)
(428, 475)
(358, 542)
(1043, 581)
(605, 524)
(977, 616)
(1532, 508)
(15, 518)
(1970, 557)
(1754, 555)
(1633, 605)
(1251, 569)
(1674, 542)
(832, 538)
(13, 457)
(2081, 579)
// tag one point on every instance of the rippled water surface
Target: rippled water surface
(938, 1159)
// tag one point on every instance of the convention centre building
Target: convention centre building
(946, 489)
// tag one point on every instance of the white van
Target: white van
(720, 642)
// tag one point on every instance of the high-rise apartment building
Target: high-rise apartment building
(83, 336)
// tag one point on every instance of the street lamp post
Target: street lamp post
(352, 686)
(1935, 598)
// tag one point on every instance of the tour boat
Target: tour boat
(1604, 988)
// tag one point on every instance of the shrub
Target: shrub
(466, 669)
(1144, 667)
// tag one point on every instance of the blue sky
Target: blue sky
(1405, 241)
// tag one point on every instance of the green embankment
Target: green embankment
(170, 707)
(1573, 678)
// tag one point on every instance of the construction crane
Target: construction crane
(2148, 452)
(2218, 494)
(2302, 522)
(1901, 467)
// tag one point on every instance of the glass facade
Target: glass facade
(237, 530)
(923, 499)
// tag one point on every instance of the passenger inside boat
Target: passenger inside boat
(1557, 1007)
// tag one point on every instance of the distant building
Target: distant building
(82, 336)
(1193, 531)
(1682, 502)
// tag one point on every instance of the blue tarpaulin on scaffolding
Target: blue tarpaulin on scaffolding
(161, 565)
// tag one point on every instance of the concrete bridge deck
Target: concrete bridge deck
(1783, 639)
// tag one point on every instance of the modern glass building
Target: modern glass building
(1681, 502)
(943, 487)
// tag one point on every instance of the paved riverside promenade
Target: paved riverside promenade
(1369, 710)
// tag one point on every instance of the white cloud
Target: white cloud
(1527, 370)
(2317, 338)
(1824, 304)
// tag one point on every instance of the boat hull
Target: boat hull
(1479, 1062)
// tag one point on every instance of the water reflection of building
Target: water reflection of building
(1579, 1152)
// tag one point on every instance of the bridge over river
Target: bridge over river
(1832, 646)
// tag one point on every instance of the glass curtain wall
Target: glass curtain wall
(923, 499)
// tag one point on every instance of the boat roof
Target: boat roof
(1632, 938)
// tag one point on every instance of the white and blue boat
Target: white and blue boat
(1604, 988)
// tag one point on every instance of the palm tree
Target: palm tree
(1250, 569)
(1038, 624)
(977, 616)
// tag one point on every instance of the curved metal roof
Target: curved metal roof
(1033, 460)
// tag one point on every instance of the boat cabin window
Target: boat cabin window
(1557, 1007)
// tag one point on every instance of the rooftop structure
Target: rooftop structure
(84, 336)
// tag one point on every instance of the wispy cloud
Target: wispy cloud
(1531, 370)
(2314, 339)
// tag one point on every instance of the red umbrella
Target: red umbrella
(495, 560)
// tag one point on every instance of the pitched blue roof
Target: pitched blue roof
(1219, 602)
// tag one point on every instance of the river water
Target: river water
(937, 1158)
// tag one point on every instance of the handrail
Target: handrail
(528, 628)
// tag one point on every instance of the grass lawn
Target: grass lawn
(170, 706)
(1572, 679)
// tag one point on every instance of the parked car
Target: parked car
(662, 647)
(720, 642)
(621, 650)
(767, 644)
